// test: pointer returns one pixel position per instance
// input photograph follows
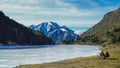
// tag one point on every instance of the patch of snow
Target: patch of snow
(78, 32)
(49, 23)
(48, 27)
(63, 29)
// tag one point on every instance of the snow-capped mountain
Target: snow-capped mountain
(56, 32)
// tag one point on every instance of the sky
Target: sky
(76, 14)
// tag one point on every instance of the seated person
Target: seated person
(107, 55)
(102, 55)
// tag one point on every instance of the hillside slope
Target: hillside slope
(13, 33)
(107, 30)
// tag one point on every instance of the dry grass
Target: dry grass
(86, 62)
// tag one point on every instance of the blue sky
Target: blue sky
(77, 14)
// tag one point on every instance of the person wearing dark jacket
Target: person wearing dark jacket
(107, 55)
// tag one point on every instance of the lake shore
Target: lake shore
(23, 46)
(84, 62)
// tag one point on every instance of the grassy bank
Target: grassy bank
(85, 62)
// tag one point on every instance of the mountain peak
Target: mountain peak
(1, 13)
(56, 32)
(55, 24)
(64, 26)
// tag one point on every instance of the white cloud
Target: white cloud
(30, 12)
(63, 9)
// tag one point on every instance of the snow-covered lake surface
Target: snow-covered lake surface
(21, 55)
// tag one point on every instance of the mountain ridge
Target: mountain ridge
(13, 33)
(100, 32)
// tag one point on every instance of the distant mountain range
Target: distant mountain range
(56, 32)
(106, 31)
(13, 33)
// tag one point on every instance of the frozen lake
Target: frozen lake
(41, 54)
